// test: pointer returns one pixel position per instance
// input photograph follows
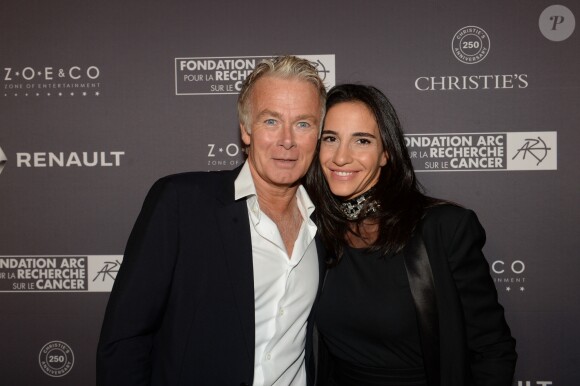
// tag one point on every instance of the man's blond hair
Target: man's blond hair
(285, 67)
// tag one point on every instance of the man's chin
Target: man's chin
(288, 181)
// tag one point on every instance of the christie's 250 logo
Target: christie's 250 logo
(51, 73)
(470, 44)
(56, 359)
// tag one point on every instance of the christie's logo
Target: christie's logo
(225, 75)
(470, 44)
(471, 82)
(56, 359)
(509, 275)
(50, 81)
(224, 156)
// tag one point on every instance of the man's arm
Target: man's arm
(138, 299)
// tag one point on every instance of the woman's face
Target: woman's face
(351, 150)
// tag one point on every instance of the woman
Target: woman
(407, 299)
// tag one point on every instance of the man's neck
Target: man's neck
(280, 205)
(282, 208)
(277, 199)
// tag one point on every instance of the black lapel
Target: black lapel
(233, 221)
(423, 292)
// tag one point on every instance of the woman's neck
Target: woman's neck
(358, 207)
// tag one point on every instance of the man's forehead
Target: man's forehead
(274, 89)
(283, 82)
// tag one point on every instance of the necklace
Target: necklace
(353, 208)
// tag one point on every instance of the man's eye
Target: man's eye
(303, 125)
(270, 121)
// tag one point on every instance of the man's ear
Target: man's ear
(246, 137)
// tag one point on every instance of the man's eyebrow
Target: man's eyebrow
(268, 112)
(271, 113)
(306, 116)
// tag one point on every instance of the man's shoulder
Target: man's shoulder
(195, 186)
(207, 179)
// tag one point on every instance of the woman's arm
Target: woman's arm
(491, 346)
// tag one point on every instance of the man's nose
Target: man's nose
(287, 139)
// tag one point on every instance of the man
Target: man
(220, 271)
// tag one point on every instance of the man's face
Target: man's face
(285, 118)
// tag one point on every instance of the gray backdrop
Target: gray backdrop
(99, 99)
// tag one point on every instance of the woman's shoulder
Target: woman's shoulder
(446, 210)
(447, 216)
(450, 228)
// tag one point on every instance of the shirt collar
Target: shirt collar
(244, 184)
(304, 202)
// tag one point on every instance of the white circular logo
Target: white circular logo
(557, 23)
(470, 44)
(56, 358)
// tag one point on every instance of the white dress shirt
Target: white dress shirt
(284, 289)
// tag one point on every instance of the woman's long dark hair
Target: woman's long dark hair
(402, 202)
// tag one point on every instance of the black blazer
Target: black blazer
(181, 311)
(476, 346)
(475, 343)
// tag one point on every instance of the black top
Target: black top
(476, 346)
(366, 314)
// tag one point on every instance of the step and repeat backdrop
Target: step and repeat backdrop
(101, 98)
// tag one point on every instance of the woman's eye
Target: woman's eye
(363, 141)
(328, 138)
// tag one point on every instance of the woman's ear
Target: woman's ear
(384, 158)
